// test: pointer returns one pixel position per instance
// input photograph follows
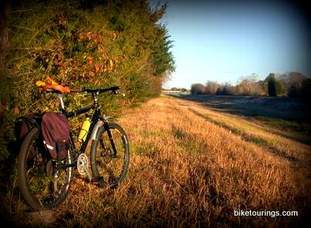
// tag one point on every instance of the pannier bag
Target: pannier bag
(23, 125)
(56, 134)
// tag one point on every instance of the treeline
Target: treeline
(293, 84)
(81, 44)
(176, 89)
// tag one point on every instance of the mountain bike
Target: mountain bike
(44, 182)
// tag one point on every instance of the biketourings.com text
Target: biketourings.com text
(264, 213)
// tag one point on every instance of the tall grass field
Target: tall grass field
(190, 166)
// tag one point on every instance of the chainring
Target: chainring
(83, 166)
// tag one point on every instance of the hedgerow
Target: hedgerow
(82, 44)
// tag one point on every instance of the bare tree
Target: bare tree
(197, 89)
(211, 87)
(249, 86)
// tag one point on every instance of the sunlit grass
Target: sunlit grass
(257, 134)
(189, 170)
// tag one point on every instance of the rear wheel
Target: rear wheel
(43, 183)
(110, 155)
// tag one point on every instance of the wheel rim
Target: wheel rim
(109, 165)
(45, 182)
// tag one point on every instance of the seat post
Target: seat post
(62, 104)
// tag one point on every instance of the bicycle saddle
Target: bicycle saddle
(50, 85)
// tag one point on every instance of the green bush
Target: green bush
(84, 44)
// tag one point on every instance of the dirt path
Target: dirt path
(191, 165)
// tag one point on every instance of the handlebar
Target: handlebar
(94, 93)
(49, 85)
(113, 89)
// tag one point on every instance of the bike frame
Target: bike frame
(97, 121)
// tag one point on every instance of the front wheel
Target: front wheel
(110, 154)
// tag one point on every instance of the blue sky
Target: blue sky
(224, 41)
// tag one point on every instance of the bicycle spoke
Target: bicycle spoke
(110, 152)
(40, 185)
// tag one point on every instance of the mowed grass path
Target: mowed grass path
(190, 166)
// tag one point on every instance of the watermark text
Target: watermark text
(264, 213)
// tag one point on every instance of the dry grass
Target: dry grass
(255, 133)
(186, 170)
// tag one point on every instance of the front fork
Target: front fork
(104, 123)
(114, 150)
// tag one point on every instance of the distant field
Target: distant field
(273, 107)
(287, 116)
(192, 164)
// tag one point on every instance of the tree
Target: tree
(81, 43)
(306, 90)
(302, 91)
(271, 85)
(249, 86)
(197, 89)
(4, 32)
(228, 89)
(293, 82)
(211, 87)
(225, 89)
(183, 90)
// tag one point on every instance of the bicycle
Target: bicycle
(44, 183)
